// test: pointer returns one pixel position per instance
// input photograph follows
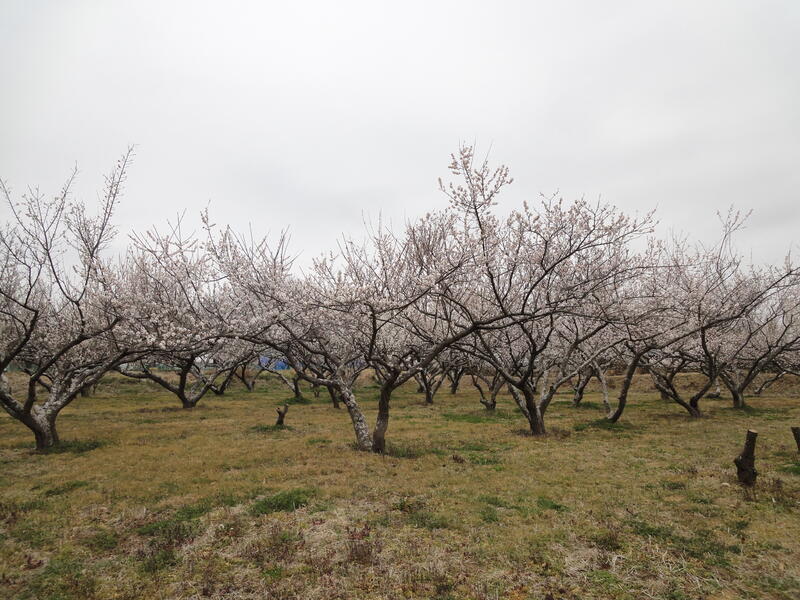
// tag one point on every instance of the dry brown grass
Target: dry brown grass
(205, 503)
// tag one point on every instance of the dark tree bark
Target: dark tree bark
(219, 390)
(43, 428)
(796, 434)
(627, 379)
(746, 461)
(455, 375)
(334, 396)
(298, 393)
(584, 377)
(382, 422)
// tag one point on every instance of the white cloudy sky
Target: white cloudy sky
(310, 115)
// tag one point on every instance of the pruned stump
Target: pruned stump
(746, 461)
(281, 415)
(796, 434)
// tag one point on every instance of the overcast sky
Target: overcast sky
(311, 115)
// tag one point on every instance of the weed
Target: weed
(489, 514)
(362, 547)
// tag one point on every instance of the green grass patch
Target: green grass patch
(604, 424)
(103, 540)
(65, 488)
(489, 514)
(793, 469)
(269, 428)
(64, 578)
(428, 520)
(483, 459)
(546, 503)
(479, 417)
(285, 501)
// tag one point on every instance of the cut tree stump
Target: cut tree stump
(746, 461)
(796, 434)
(281, 415)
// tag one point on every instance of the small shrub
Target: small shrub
(362, 548)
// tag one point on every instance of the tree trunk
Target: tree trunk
(455, 380)
(534, 413)
(622, 400)
(334, 397)
(490, 404)
(693, 407)
(745, 462)
(188, 403)
(738, 398)
(43, 427)
(382, 422)
(298, 393)
(583, 380)
(601, 375)
(360, 427)
(796, 434)
(428, 395)
(536, 421)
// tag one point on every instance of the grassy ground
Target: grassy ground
(149, 501)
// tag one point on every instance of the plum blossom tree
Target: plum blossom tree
(551, 273)
(182, 310)
(62, 306)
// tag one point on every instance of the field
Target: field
(146, 500)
